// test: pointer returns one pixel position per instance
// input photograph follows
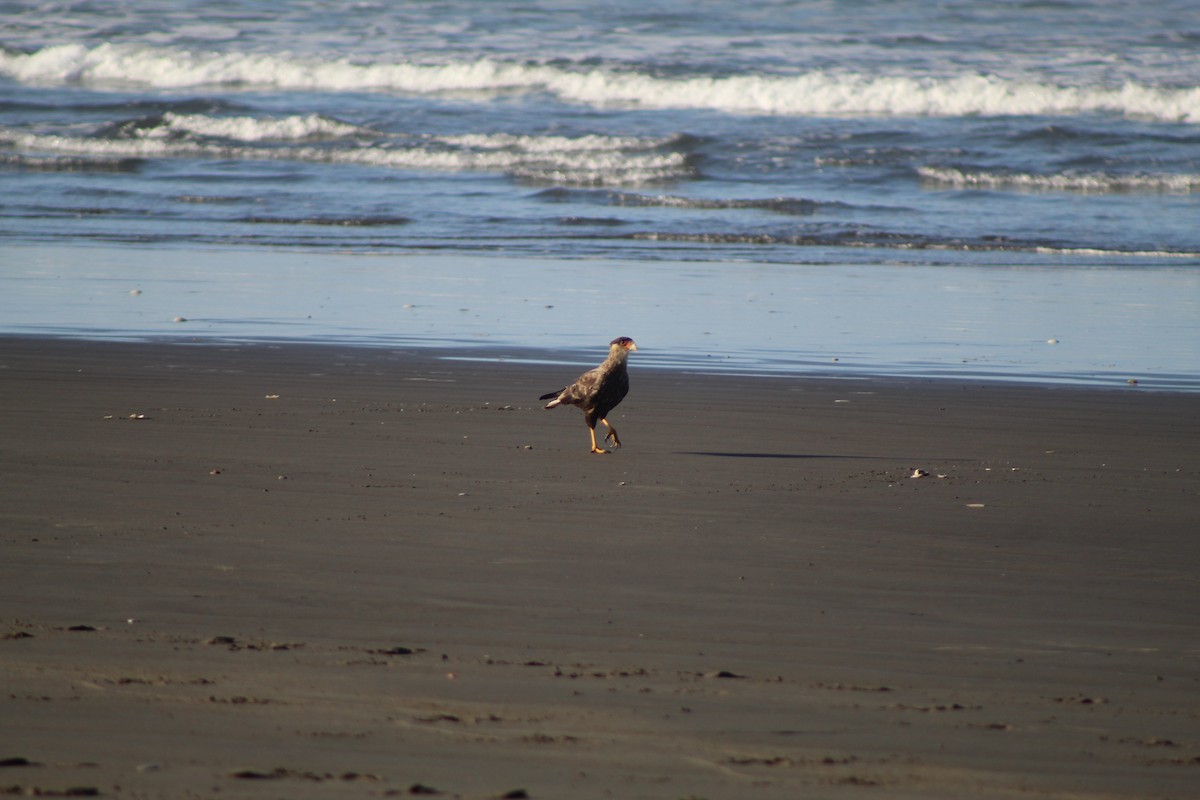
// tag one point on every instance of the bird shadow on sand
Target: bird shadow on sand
(719, 454)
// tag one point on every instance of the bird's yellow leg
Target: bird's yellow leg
(595, 449)
(612, 434)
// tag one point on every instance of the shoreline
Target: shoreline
(322, 571)
(583, 357)
(1084, 325)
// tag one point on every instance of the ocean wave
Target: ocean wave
(244, 129)
(796, 206)
(899, 241)
(210, 199)
(586, 161)
(1080, 182)
(560, 144)
(335, 221)
(815, 93)
(792, 206)
(39, 163)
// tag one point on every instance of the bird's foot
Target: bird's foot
(600, 450)
(612, 437)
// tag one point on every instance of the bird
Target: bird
(598, 391)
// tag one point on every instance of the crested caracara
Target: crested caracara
(599, 390)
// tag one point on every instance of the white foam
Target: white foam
(251, 129)
(1082, 182)
(555, 144)
(587, 161)
(1098, 252)
(105, 148)
(816, 93)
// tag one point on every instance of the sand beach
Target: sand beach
(319, 571)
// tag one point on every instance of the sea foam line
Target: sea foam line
(901, 242)
(555, 159)
(1082, 182)
(816, 93)
(251, 129)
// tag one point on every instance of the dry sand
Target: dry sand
(323, 572)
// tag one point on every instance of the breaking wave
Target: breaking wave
(815, 93)
(41, 163)
(582, 161)
(792, 206)
(1081, 182)
(172, 125)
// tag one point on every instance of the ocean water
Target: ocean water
(768, 186)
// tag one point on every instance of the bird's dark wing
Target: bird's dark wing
(582, 391)
(585, 387)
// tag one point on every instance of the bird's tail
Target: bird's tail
(553, 402)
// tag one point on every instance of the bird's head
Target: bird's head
(622, 344)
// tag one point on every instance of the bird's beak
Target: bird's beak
(632, 347)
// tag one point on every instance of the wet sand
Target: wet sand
(324, 572)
